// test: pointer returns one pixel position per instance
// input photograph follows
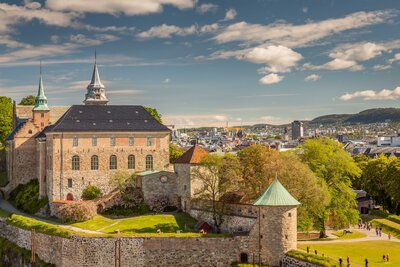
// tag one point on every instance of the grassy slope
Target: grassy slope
(168, 223)
(352, 235)
(358, 251)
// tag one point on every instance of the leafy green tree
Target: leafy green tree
(215, 178)
(261, 165)
(393, 184)
(174, 153)
(329, 161)
(91, 192)
(6, 109)
(27, 101)
(154, 113)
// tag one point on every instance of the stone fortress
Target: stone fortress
(69, 148)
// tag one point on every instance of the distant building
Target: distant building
(388, 141)
(297, 130)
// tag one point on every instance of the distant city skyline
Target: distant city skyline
(206, 63)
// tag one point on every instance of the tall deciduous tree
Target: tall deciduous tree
(261, 165)
(154, 113)
(174, 153)
(329, 161)
(27, 101)
(214, 178)
(6, 107)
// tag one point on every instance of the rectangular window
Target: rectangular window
(42, 115)
(69, 183)
(131, 141)
(75, 141)
(94, 141)
(149, 141)
(112, 141)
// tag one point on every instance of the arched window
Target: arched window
(70, 197)
(149, 162)
(94, 163)
(113, 162)
(75, 163)
(131, 162)
(244, 258)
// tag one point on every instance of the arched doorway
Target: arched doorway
(70, 197)
(244, 258)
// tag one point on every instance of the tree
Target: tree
(91, 192)
(28, 101)
(174, 153)
(215, 178)
(6, 109)
(154, 113)
(329, 161)
(122, 180)
(262, 164)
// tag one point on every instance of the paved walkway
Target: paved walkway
(5, 205)
(371, 236)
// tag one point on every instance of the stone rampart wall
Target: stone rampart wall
(131, 251)
(292, 262)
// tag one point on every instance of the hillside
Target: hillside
(375, 115)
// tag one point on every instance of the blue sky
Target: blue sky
(208, 62)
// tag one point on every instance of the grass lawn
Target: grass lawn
(168, 223)
(352, 235)
(358, 251)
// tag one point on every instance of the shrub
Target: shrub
(26, 197)
(322, 261)
(158, 203)
(91, 192)
(77, 211)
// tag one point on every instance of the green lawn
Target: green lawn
(167, 223)
(353, 235)
(358, 251)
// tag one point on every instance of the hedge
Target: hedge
(312, 258)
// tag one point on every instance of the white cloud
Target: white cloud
(101, 38)
(55, 39)
(125, 92)
(207, 7)
(209, 28)
(115, 7)
(304, 10)
(276, 58)
(281, 33)
(358, 51)
(384, 94)
(312, 78)
(195, 120)
(230, 14)
(167, 80)
(166, 31)
(379, 67)
(395, 58)
(271, 79)
(336, 64)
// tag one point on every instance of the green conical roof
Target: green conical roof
(276, 195)
(41, 99)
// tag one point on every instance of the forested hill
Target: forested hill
(367, 116)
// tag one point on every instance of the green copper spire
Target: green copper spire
(276, 195)
(41, 99)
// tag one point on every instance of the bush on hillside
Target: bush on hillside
(91, 192)
(158, 203)
(77, 211)
(25, 197)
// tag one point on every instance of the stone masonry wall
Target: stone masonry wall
(61, 151)
(132, 251)
(292, 262)
(160, 184)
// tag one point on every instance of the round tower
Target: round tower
(277, 224)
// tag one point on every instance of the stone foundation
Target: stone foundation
(292, 262)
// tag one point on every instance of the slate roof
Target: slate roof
(276, 195)
(15, 131)
(193, 156)
(82, 118)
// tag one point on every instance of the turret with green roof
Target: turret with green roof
(276, 195)
(41, 99)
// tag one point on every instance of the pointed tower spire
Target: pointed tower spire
(96, 93)
(41, 99)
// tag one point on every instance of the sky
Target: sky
(207, 63)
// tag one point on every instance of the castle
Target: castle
(69, 148)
